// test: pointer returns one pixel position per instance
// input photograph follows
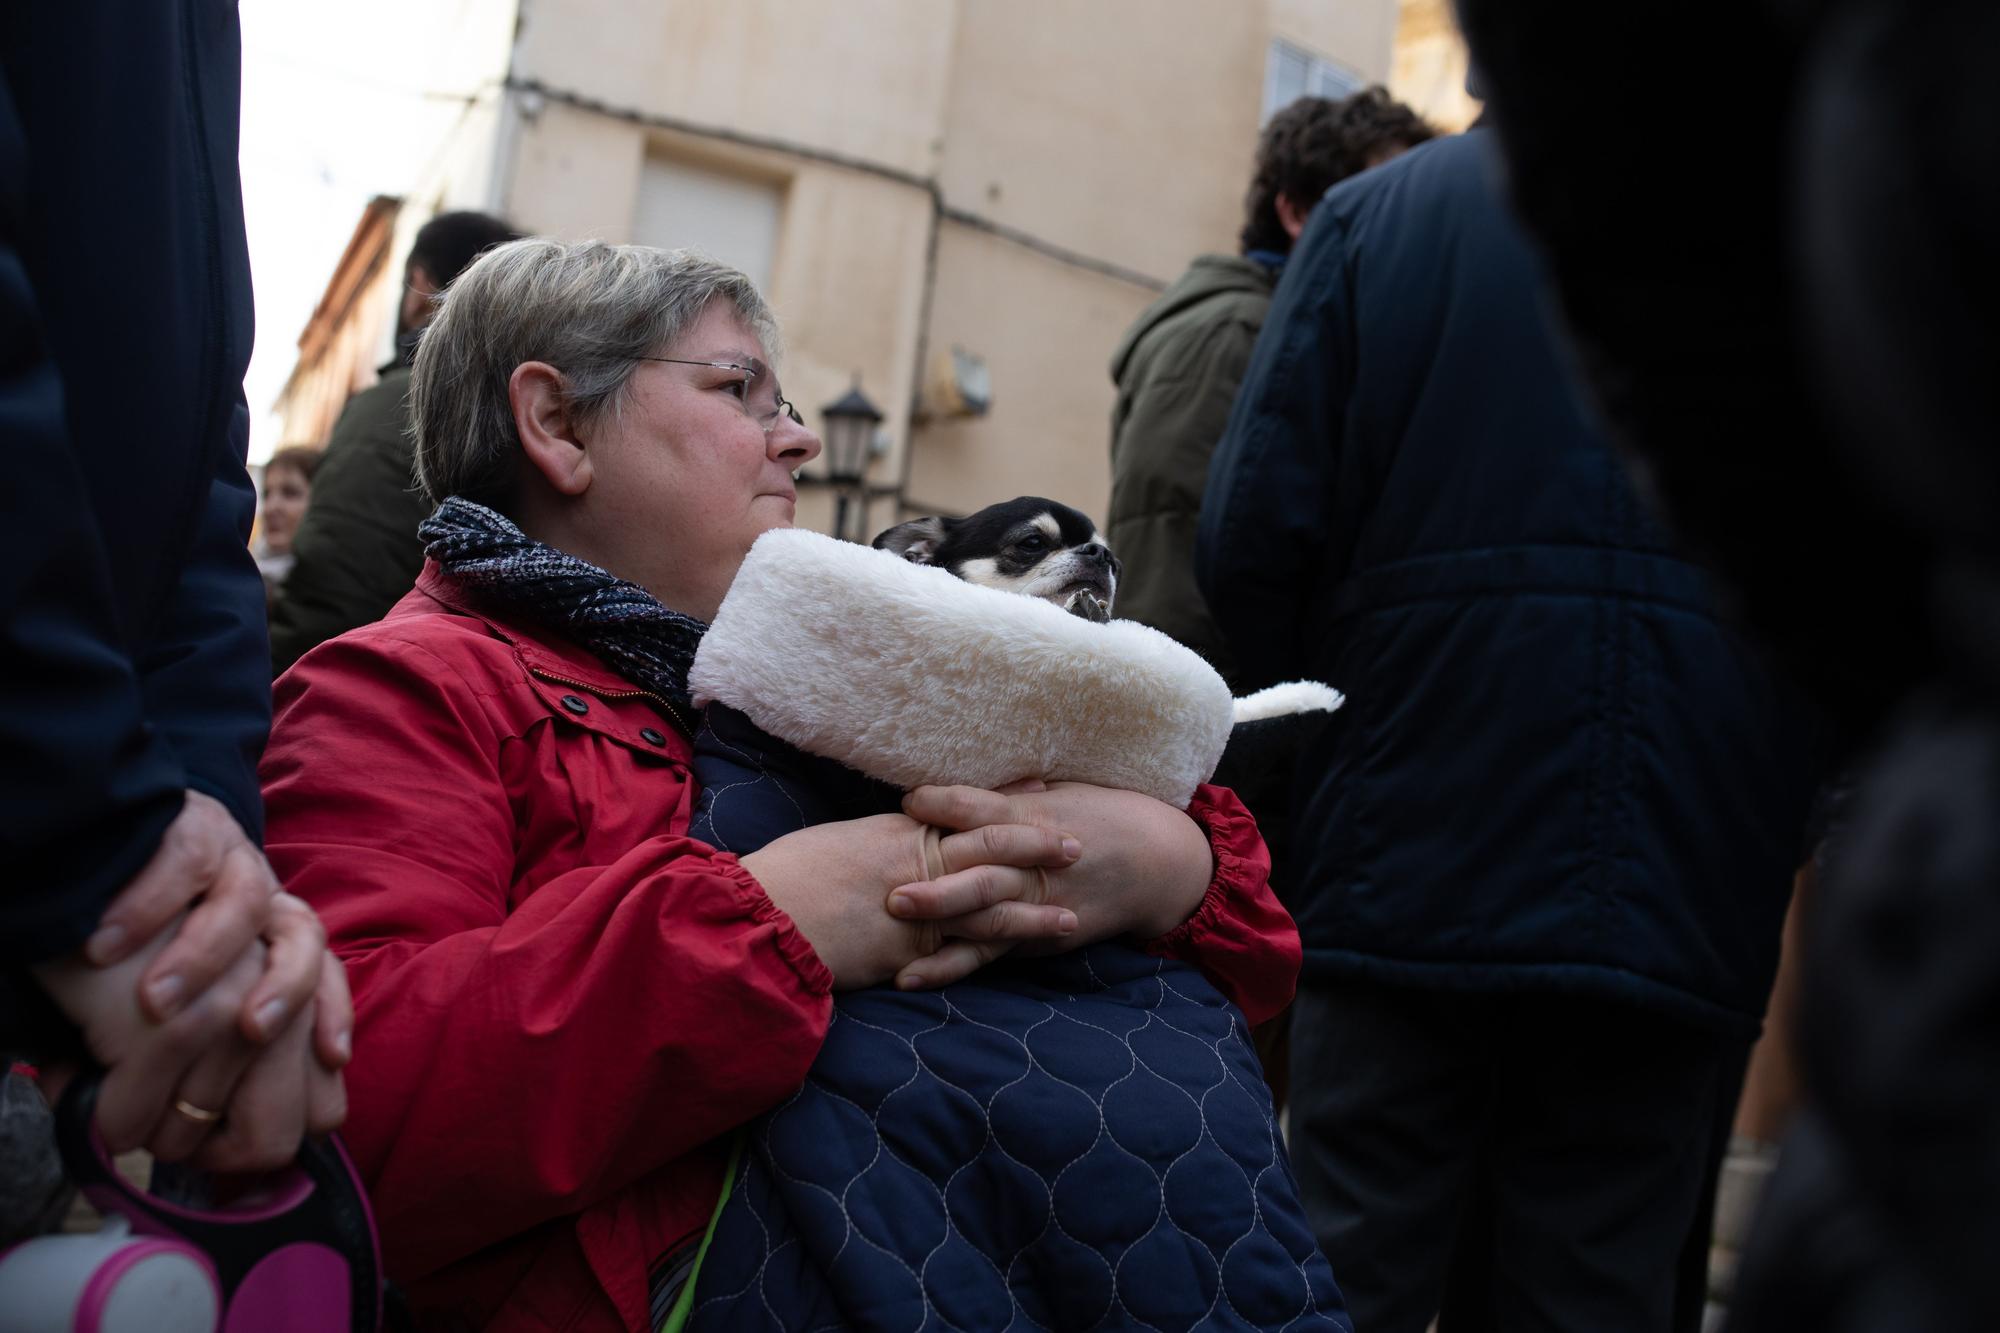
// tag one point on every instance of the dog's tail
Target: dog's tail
(1294, 696)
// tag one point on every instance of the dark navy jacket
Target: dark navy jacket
(132, 665)
(1557, 768)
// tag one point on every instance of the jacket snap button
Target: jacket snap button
(575, 705)
(652, 737)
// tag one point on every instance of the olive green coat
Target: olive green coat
(357, 547)
(1177, 370)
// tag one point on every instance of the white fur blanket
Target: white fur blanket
(911, 676)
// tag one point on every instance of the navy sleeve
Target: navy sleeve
(205, 670)
(86, 787)
(1263, 536)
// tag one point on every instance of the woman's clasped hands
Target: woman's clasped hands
(964, 875)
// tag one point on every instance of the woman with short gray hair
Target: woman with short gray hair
(596, 310)
(565, 1003)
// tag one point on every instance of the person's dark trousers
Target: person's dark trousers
(1468, 1288)
(1691, 1288)
(1581, 1126)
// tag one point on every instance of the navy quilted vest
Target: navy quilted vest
(1079, 1142)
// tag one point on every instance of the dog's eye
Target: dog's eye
(1034, 541)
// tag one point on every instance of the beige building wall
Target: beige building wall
(1126, 129)
(574, 174)
(1046, 331)
(1106, 128)
(862, 78)
(1356, 35)
(1014, 178)
(839, 107)
(1122, 131)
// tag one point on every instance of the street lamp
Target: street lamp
(850, 437)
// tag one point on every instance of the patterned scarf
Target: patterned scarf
(621, 622)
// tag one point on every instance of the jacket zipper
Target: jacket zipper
(602, 693)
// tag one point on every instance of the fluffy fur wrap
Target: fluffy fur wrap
(911, 676)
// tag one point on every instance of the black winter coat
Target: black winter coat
(134, 655)
(1557, 768)
(357, 550)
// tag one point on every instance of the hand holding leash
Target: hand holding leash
(195, 1086)
(210, 998)
(296, 1249)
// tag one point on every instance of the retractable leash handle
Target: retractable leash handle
(300, 1254)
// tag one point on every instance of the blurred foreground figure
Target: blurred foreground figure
(1785, 295)
(133, 702)
(1542, 856)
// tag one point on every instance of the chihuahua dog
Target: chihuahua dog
(1031, 546)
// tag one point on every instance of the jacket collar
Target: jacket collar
(539, 650)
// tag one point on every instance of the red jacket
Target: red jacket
(563, 1002)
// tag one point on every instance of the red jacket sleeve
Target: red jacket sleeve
(1241, 936)
(522, 1049)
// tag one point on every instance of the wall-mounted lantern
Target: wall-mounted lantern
(849, 434)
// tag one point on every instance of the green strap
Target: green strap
(678, 1316)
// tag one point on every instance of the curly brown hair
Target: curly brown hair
(1314, 144)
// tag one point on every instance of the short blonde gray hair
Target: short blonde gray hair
(589, 309)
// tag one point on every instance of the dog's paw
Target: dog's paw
(1090, 607)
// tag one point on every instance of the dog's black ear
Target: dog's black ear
(916, 541)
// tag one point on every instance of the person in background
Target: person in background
(1544, 858)
(1178, 366)
(140, 925)
(357, 550)
(287, 490)
(1177, 370)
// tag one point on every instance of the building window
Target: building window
(1292, 72)
(726, 217)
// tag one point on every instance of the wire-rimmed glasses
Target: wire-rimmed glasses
(762, 400)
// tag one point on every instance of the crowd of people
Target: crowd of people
(1582, 508)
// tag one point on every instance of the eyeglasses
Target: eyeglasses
(762, 402)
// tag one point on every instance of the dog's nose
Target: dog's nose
(1097, 552)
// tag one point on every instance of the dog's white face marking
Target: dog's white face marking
(985, 571)
(1058, 578)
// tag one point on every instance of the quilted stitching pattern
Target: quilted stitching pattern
(755, 788)
(1074, 1143)
(750, 793)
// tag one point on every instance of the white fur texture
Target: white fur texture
(912, 676)
(1294, 696)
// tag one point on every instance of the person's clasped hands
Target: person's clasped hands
(208, 996)
(964, 875)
